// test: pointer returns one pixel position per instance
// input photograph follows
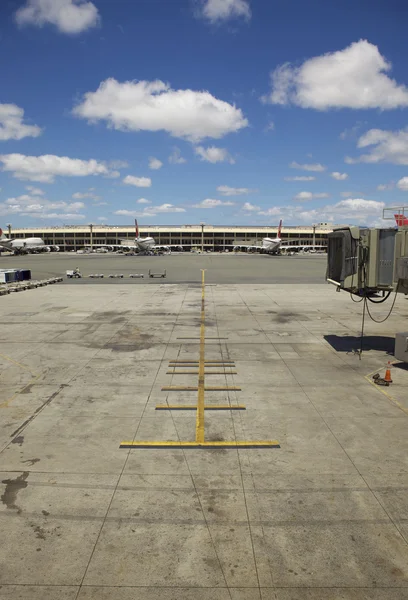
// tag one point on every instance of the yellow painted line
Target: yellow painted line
(18, 364)
(231, 444)
(195, 362)
(197, 373)
(206, 407)
(181, 388)
(199, 338)
(195, 365)
(201, 367)
(386, 394)
(6, 403)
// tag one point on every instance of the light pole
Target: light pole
(202, 236)
(91, 237)
(9, 229)
(314, 235)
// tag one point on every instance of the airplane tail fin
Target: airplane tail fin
(137, 229)
(401, 220)
(2, 236)
(280, 228)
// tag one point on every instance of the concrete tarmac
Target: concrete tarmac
(323, 517)
(180, 268)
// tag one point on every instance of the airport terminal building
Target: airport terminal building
(208, 237)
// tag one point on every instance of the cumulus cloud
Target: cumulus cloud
(250, 207)
(12, 126)
(155, 163)
(48, 166)
(224, 10)
(151, 211)
(308, 167)
(83, 195)
(154, 106)
(143, 201)
(38, 207)
(175, 157)
(212, 203)
(300, 177)
(68, 16)
(226, 190)
(402, 184)
(137, 181)
(34, 191)
(213, 154)
(352, 211)
(305, 196)
(355, 77)
(386, 146)
(339, 176)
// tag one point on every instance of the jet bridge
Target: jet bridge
(372, 263)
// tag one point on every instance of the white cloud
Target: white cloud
(223, 10)
(34, 191)
(300, 178)
(155, 163)
(66, 217)
(385, 186)
(339, 176)
(308, 167)
(213, 154)
(355, 77)
(387, 146)
(270, 126)
(137, 181)
(41, 208)
(48, 166)
(226, 190)
(175, 157)
(403, 184)
(102, 219)
(69, 16)
(305, 196)
(12, 126)
(154, 106)
(143, 201)
(250, 207)
(353, 211)
(212, 203)
(82, 195)
(151, 211)
(274, 211)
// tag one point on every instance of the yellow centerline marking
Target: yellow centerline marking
(200, 408)
(201, 373)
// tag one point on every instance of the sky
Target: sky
(227, 112)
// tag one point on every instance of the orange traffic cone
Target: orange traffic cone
(388, 373)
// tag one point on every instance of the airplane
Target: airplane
(401, 220)
(269, 245)
(144, 244)
(23, 246)
(272, 245)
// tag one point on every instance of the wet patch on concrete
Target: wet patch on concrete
(286, 317)
(31, 461)
(13, 487)
(18, 440)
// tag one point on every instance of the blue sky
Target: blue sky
(222, 111)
